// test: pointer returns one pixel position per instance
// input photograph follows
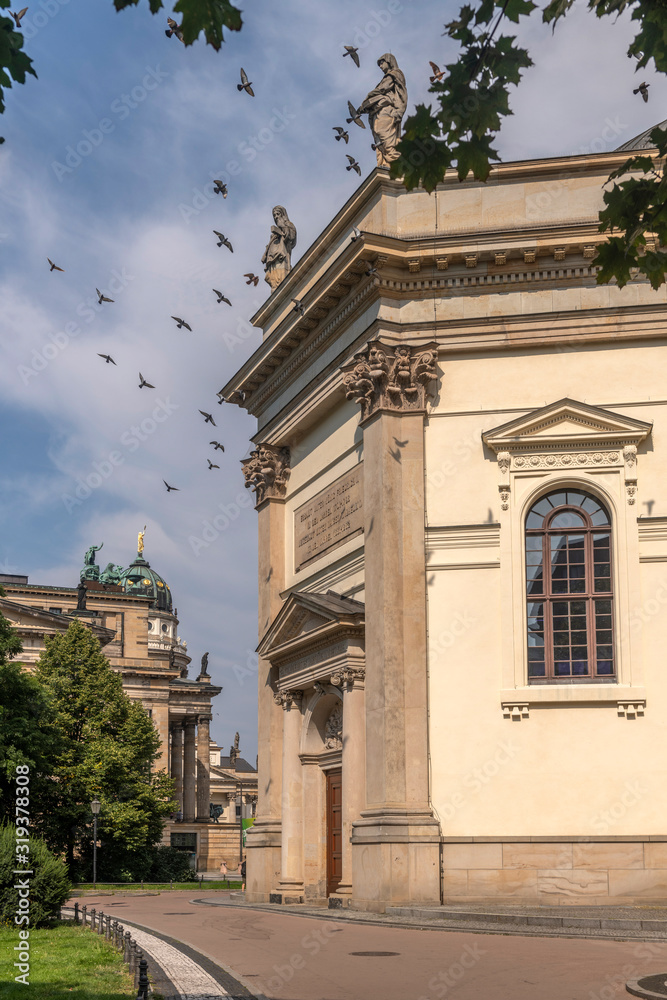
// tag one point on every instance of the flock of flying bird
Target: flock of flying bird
(175, 29)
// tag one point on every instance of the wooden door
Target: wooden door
(334, 829)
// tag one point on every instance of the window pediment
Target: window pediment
(566, 423)
(306, 619)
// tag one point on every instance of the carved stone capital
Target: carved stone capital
(347, 677)
(288, 699)
(390, 377)
(267, 471)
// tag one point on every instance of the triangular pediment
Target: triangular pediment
(25, 616)
(567, 422)
(306, 615)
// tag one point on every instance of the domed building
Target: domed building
(132, 614)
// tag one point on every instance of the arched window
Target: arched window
(569, 588)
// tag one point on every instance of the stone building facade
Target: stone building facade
(462, 507)
(131, 612)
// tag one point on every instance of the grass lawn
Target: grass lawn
(87, 887)
(65, 961)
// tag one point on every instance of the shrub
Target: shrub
(169, 863)
(49, 886)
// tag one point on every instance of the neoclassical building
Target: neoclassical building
(131, 612)
(461, 487)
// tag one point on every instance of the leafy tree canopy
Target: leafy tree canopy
(473, 97)
(107, 746)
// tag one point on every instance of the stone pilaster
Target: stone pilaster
(291, 887)
(395, 843)
(177, 763)
(189, 771)
(266, 473)
(351, 681)
(203, 769)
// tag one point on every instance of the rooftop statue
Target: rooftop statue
(385, 107)
(204, 663)
(91, 571)
(140, 542)
(277, 259)
(111, 574)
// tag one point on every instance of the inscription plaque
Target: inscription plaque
(332, 517)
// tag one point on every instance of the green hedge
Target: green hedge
(48, 885)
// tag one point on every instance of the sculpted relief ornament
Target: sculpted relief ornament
(267, 471)
(390, 377)
(333, 731)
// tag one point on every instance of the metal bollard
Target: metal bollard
(84, 911)
(126, 947)
(100, 923)
(92, 917)
(137, 965)
(143, 979)
(76, 913)
(107, 929)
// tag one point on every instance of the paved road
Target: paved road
(288, 957)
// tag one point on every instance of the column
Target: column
(291, 887)
(203, 769)
(189, 771)
(177, 763)
(266, 472)
(351, 680)
(395, 843)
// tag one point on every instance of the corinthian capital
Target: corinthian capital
(267, 471)
(288, 698)
(390, 377)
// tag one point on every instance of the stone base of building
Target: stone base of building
(395, 857)
(553, 871)
(213, 842)
(263, 860)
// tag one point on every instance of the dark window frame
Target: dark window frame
(591, 597)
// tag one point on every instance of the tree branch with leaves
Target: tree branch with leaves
(472, 99)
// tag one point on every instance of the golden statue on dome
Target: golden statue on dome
(140, 542)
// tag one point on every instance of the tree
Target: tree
(209, 16)
(473, 98)
(107, 747)
(26, 730)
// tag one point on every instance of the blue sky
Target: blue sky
(152, 122)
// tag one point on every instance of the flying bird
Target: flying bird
(221, 297)
(356, 116)
(170, 488)
(181, 322)
(143, 382)
(643, 90)
(107, 358)
(299, 307)
(437, 72)
(224, 242)
(353, 165)
(208, 418)
(252, 279)
(237, 396)
(17, 17)
(212, 465)
(174, 29)
(245, 84)
(54, 267)
(353, 53)
(220, 188)
(217, 445)
(342, 134)
(356, 235)
(370, 271)
(102, 298)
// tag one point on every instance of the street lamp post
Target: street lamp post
(239, 800)
(95, 806)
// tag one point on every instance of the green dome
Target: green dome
(140, 579)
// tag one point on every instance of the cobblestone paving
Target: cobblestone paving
(191, 981)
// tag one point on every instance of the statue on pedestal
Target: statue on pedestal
(277, 259)
(204, 664)
(91, 571)
(385, 107)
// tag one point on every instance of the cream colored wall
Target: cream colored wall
(568, 768)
